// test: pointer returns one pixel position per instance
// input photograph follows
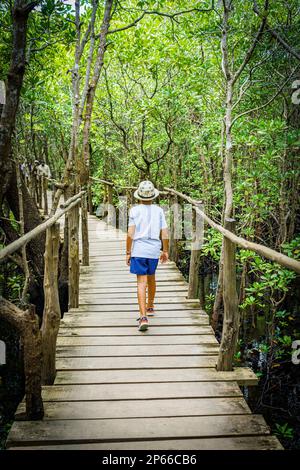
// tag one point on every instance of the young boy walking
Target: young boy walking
(147, 227)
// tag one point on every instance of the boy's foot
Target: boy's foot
(143, 324)
(150, 311)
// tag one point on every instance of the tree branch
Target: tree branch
(268, 102)
(253, 45)
(171, 16)
(277, 35)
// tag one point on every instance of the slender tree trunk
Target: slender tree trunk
(92, 89)
(20, 13)
(26, 323)
(227, 169)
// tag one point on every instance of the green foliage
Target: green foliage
(284, 431)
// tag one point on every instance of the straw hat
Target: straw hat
(146, 191)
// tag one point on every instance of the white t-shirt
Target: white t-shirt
(149, 220)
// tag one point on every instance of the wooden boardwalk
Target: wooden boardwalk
(117, 388)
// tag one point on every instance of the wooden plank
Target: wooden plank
(136, 408)
(133, 314)
(126, 351)
(76, 431)
(215, 443)
(133, 331)
(140, 391)
(113, 363)
(134, 340)
(98, 297)
(94, 321)
(242, 375)
(127, 277)
(132, 306)
(115, 290)
(108, 282)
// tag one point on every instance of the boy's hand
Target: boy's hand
(128, 260)
(164, 257)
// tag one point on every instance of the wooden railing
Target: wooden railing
(231, 318)
(40, 342)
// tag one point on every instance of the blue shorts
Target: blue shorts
(143, 266)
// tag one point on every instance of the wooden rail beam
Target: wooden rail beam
(262, 250)
(17, 244)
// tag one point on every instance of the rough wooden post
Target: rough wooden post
(129, 196)
(52, 314)
(110, 208)
(231, 319)
(27, 324)
(73, 222)
(45, 196)
(194, 260)
(39, 192)
(32, 341)
(89, 198)
(173, 249)
(84, 231)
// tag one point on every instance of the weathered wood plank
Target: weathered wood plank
(215, 443)
(73, 330)
(242, 375)
(132, 306)
(92, 321)
(140, 391)
(130, 310)
(111, 363)
(98, 297)
(125, 351)
(132, 314)
(54, 431)
(121, 289)
(128, 277)
(135, 340)
(136, 408)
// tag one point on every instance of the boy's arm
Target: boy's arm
(130, 235)
(165, 241)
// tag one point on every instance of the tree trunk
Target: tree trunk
(231, 312)
(33, 366)
(92, 91)
(27, 324)
(51, 316)
(20, 13)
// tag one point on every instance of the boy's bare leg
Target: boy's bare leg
(151, 289)
(141, 293)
